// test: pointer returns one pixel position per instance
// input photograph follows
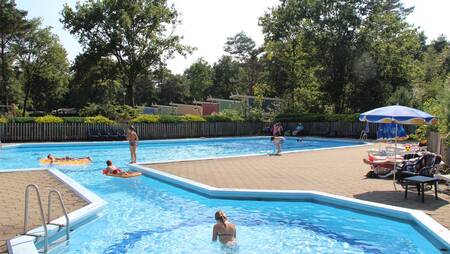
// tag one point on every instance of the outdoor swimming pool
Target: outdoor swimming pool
(144, 215)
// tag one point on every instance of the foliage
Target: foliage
(3, 120)
(199, 78)
(96, 79)
(73, 119)
(348, 55)
(172, 88)
(116, 112)
(146, 119)
(48, 119)
(227, 78)
(225, 116)
(134, 32)
(310, 117)
(98, 120)
(169, 119)
(192, 118)
(13, 25)
(26, 119)
(43, 62)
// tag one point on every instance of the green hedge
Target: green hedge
(48, 119)
(146, 119)
(98, 120)
(316, 117)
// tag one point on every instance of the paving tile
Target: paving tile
(12, 201)
(337, 171)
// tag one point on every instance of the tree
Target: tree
(326, 41)
(134, 32)
(243, 48)
(95, 79)
(13, 23)
(172, 88)
(228, 78)
(199, 79)
(42, 60)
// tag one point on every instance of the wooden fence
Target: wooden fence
(35, 132)
(436, 144)
(39, 132)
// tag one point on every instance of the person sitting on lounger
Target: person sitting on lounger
(67, 158)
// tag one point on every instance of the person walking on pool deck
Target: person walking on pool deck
(224, 230)
(132, 138)
(277, 141)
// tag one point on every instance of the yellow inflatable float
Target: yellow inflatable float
(66, 162)
(125, 174)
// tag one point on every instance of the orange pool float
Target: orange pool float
(122, 175)
(66, 162)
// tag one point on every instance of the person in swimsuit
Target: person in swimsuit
(111, 169)
(277, 141)
(224, 230)
(132, 138)
(67, 158)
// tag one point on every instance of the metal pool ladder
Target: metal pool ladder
(41, 211)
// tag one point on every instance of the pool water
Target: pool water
(144, 215)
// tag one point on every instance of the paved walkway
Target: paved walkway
(12, 200)
(338, 171)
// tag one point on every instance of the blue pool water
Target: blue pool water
(144, 215)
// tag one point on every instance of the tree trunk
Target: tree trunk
(130, 89)
(25, 100)
(4, 78)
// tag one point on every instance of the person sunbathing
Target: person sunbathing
(66, 158)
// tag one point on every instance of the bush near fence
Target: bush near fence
(317, 117)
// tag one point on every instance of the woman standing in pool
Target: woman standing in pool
(132, 138)
(224, 230)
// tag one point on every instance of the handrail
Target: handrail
(41, 210)
(63, 207)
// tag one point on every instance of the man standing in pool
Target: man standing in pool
(132, 138)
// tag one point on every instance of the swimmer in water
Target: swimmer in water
(224, 230)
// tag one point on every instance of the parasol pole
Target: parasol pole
(395, 152)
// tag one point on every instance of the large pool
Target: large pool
(144, 215)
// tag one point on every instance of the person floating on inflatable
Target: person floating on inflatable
(112, 170)
(65, 160)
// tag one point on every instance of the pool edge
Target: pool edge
(420, 218)
(27, 244)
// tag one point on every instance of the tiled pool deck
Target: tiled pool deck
(337, 171)
(12, 200)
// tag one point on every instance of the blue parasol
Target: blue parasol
(398, 115)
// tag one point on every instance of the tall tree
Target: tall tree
(95, 79)
(134, 32)
(13, 23)
(43, 62)
(331, 39)
(172, 88)
(228, 78)
(199, 78)
(244, 50)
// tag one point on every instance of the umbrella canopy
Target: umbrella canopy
(397, 114)
(389, 131)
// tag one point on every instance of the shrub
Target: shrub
(3, 120)
(48, 119)
(227, 116)
(169, 119)
(98, 120)
(111, 111)
(146, 119)
(25, 119)
(73, 119)
(316, 117)
(192, 118)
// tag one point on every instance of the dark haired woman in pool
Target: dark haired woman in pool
(224, 230)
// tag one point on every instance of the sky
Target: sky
(206, 24)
